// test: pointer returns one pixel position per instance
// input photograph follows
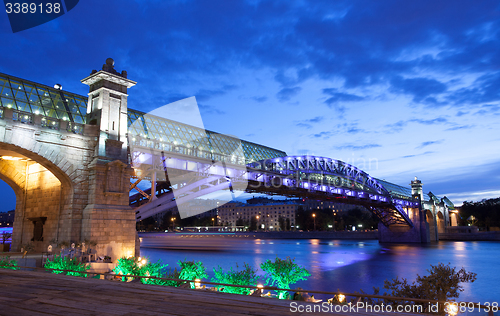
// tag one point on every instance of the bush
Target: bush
(191, 270)
(283, 273)
(247, 276)
(7, 263)
(133, 266)
(65, 263)
(441, 284)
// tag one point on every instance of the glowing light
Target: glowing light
(11, 158)
(452, 309)
(341, 297)
(260, 286)
(197, 283)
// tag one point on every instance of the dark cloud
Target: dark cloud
(484, 89)
(286, 94)
(420, 88)
(361, 43)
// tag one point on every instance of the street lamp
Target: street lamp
(314, 216)
(213, 222)
(173, 219)
(257, 217)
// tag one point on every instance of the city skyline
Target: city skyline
(397, 89)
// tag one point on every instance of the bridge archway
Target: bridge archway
(43, 192)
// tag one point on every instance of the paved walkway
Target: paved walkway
(39, 293)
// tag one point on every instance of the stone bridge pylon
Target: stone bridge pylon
(71, 180)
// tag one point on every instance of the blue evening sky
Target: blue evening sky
(398, 88)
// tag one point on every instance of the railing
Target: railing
(40, 120)
(340, 296)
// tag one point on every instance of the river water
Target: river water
(346, 265)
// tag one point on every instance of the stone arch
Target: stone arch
(432, 225)
(440, 222)
(43, 194)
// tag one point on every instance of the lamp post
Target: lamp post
(257, 217)
(333, 224)
(213, 222)
(314, 217)
(173, 219)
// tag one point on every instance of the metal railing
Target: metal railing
(359, 296)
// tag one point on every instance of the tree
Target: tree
(441, 284)
(192, 270)
(247, 276)
(283, 273)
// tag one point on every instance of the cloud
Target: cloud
(459, 127)
(420, 88)
(417, 155)
(204, 95)
(428, 143)
(484, 89)
(357, 147)
(337, 97)
(323, 134)
(260, 99)
(309, 122)
(286, 94)
(340, 129)
(209, 109)
(398, 126)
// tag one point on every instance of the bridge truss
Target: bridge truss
(311, 177)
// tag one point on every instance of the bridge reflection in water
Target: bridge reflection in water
(349, 265)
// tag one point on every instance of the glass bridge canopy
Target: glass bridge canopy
(30, 97)
(27, 96)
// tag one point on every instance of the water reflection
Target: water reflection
(353, 265)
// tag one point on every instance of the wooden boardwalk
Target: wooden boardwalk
(39, 293)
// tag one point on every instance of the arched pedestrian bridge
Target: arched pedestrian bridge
(70, 160)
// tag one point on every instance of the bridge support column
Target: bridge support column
(108, 219)
(419, 233)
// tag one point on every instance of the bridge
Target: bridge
(70, 160)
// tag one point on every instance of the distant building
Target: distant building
(267, 214)
(7, 219)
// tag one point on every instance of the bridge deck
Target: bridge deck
(37, 293)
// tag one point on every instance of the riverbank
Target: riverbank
(37, 293)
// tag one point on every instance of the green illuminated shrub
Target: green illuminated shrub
(133, 266)
(247, 276)
(192, 270)
(7, 263)
(282, 273)
(129, 266)
(66, 263)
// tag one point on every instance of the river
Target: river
(345, 265)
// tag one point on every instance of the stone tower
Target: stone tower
(416, 189)
(108, 219)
